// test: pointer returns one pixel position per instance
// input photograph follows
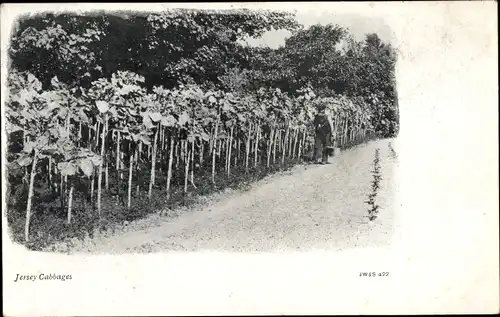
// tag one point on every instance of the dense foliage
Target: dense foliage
(114, 105)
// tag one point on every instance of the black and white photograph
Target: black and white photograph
(244, 130)
(126, 123)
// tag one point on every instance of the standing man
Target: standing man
(323, 125)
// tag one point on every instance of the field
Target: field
(114, 118)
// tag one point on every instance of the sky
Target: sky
(358, 26)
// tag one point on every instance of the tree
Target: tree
(166, 48)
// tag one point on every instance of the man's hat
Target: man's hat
(321, 107)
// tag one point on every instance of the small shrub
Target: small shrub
(373, 207)
(394, 155)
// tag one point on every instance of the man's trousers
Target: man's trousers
(321, 144)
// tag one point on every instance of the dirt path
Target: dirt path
(310, 207)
